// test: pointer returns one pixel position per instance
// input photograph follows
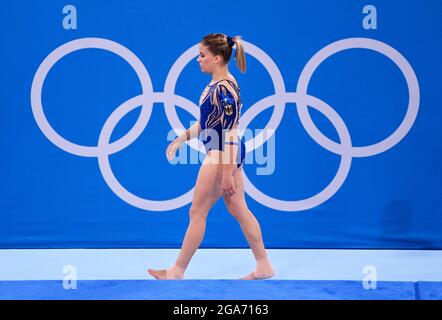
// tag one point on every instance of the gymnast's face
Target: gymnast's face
(207, 61)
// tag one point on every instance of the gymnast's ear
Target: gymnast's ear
(218, 59)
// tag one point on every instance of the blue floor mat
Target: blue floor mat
(430, 290)
(212, 289)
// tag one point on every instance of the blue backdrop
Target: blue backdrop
(58, 192)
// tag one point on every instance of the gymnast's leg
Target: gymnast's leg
(207, 191)
(237, 207)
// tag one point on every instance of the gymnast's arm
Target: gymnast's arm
(190, 133)
(230, 150)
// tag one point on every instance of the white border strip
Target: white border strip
(290, 264)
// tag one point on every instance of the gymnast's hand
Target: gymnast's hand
(172, 148)
(228, 185)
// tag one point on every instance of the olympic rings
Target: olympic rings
(278, 100)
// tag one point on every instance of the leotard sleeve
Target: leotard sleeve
(226, 99)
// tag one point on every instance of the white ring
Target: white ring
(397, 58)
(111, 180)
(52, 59)
(337, 181)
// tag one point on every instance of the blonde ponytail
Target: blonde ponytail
(240, 55)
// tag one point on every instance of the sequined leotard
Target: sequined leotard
(219, 111)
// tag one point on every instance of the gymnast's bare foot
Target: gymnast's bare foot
(173, 273)
(264, 270)
(255, 276)
(158, 274)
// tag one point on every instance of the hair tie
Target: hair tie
(230, 41)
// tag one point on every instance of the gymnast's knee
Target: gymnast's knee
(238, 211)
(197, 213)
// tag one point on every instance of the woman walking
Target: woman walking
(221, 171)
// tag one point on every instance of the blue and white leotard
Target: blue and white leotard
(219, 112)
